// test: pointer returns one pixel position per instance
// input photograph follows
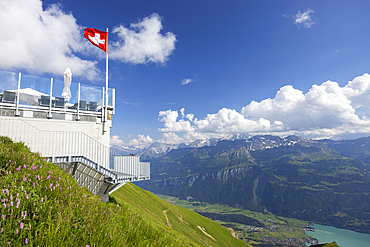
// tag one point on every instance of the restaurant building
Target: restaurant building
(69, 124)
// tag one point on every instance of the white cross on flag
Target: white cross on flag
(97, 38)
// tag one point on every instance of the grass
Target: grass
(286, 227)
(42, 205)
(199, 230)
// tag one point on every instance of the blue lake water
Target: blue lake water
(344, 238)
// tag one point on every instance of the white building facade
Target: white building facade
(65, 127)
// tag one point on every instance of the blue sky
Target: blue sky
(185, 70)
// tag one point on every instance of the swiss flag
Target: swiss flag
(97, 38)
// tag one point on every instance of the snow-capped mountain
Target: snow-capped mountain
(257, 142)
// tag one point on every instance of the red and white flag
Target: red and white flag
(97, 38)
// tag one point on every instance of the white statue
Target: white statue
(67, 83)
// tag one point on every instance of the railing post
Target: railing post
(103, 107)
(17, 102)
(114, 100)
(78, 103)
(50, 98)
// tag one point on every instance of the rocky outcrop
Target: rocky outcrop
(224, 175)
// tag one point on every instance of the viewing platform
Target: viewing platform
(69, 124)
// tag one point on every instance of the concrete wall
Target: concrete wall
(92, 129)
(60, 138)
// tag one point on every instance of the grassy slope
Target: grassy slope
(334, 244)
(296, 227)
(200, 230)
(42, 205)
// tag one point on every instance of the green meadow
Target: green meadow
(42, 205)
(200, 230)
(276, 227)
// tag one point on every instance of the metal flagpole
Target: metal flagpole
(106, 79)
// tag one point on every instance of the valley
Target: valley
(255, 228)
(324, 182)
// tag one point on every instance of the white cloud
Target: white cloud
(41, 41)
(186, 81)
(136, 143)
(327, 106)
(114, 140)
(171, 124)
(47, 40)
(171, 138)
(325, 110)
(225, 121)
(143, 42)
(358, 91)
(304, 19)
(190, 116)
(232, 122)
(141, 142)
(182, 111)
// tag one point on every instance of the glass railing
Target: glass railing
(41, 92)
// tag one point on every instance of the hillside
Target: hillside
(252, 227)
(42, 205)
(41, 201)
(198, 229)
(334, 244)
(293, 177)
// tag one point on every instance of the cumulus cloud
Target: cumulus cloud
(47, 40)
(232, 122)
(169, 118)
(143, 42)
(325, 106)
(303, 19)
(41, 41)
(171, 138)
(141, 142)
(186, 81)
(114, 140)
(136, 143)
(325, 110)
(225, 121)
(190, 116)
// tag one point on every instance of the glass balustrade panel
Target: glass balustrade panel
(91, 98)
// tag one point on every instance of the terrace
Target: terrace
(68, 124)
(37, 97)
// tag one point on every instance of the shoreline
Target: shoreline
(311, 240)
(345, 237)
(309, 225)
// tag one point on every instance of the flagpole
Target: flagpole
(106, 79)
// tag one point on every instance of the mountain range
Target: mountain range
(158, 149)
(320, 181)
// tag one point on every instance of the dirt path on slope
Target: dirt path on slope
(180, 218)
(204, 231)
(165, 215)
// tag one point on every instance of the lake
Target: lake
(344, 238)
